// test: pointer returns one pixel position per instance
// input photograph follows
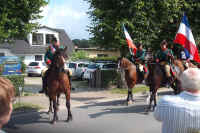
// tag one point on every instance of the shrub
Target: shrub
(17, 80)
(79, 55)
(111, 58)
(108, 77)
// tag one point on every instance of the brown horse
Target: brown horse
(132, 76)
(58, 82)
(156, 78)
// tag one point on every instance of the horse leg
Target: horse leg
(155, 100)
(58, 101)
(55, 116)
(50, 106)
(151, 98)
(130, 96)
(69, 117)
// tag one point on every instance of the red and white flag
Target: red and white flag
(185, 37)
(129, 40)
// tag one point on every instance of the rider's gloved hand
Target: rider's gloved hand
(48, 62)
(157, 60)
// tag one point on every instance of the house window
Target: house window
(102, 55)
(49, 38)
(37, 39)
(38, 57)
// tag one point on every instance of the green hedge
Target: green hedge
(111, 58)
(17, 80)
(109, 77)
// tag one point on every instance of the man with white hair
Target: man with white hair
(181, 113)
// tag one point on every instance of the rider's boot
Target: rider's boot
(169, 81)
(44, 83)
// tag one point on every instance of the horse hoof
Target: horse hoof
(69, 119)
(53, 122)
(49, 112)
(130, 102)
(146, 111)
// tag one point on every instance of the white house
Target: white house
(34, 46)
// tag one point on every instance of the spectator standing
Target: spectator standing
(181, 113)
(6, 97)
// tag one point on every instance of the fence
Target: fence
(103, 78)
(95, 79)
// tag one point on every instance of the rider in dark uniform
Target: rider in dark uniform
(48, 59)
(140, 59)
(163, 57)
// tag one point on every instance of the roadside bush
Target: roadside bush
(112, 58)
(23, 65)
(79, 55)
(17, 80)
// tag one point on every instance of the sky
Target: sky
(70, 15)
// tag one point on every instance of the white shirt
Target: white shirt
(179, 114)
(1, 131)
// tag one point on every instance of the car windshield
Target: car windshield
(72, 65)
(82, 65)
(34, 64)
(110, 66)
(93, 66)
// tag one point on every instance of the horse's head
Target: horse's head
(123, 63)
(59, 58)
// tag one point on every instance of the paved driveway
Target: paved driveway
(93, 112)
(95, 117)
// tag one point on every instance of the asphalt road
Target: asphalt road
(104, 117)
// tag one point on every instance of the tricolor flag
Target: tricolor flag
(185, 38)
(129, 41)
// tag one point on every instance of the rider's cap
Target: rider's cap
(190, 79)
(164, 42)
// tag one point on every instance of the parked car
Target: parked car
(109, 66)
(10, 65)
(35, 68)
(77, 68)
(91, 68)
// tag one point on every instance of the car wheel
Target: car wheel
(29, 75)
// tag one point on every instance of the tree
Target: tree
(17, 16)
(147, 21)
(79, 55)
(83, 43)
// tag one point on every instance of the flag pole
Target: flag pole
(130, 49)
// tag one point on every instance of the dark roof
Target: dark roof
(22, 47)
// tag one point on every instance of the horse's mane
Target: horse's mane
(55, 62)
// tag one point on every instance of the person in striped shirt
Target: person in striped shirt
(181, 113)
